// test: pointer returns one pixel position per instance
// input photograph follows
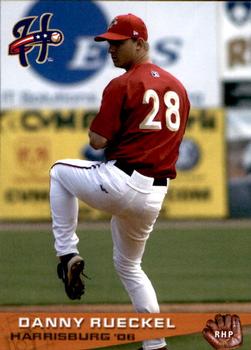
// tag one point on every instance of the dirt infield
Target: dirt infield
(160, 224)
(165, 308)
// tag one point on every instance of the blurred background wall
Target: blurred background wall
(46, 108)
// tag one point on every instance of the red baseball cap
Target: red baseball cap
(124, 27)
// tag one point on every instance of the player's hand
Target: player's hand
(224, 332)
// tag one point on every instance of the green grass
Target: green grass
(192, 265)
(185, 266)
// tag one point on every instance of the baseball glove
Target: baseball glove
(224, 332)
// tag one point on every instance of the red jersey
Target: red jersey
(143, 115)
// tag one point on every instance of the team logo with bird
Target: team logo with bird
(27, 39)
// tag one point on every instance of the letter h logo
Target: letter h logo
(27, 40)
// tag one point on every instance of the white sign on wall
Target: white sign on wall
(182, 37)
(235, 44)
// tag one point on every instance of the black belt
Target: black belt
(129, 170)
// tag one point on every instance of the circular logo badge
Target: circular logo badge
(239, 12)
(79, 57)
(189, 155)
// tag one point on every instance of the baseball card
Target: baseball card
(125, 137)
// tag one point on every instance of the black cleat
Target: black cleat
(70, 271)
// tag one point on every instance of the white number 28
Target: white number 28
(172, 103)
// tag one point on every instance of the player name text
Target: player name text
(131, 322)
(96, 322)
(50, 322)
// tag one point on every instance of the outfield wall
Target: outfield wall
(33, 140)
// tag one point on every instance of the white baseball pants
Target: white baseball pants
(134, 204)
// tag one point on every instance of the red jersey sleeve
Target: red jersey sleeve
(107, 122)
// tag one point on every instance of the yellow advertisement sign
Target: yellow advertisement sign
(199, 191)
(32, 140)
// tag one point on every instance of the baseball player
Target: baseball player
(140, 124)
